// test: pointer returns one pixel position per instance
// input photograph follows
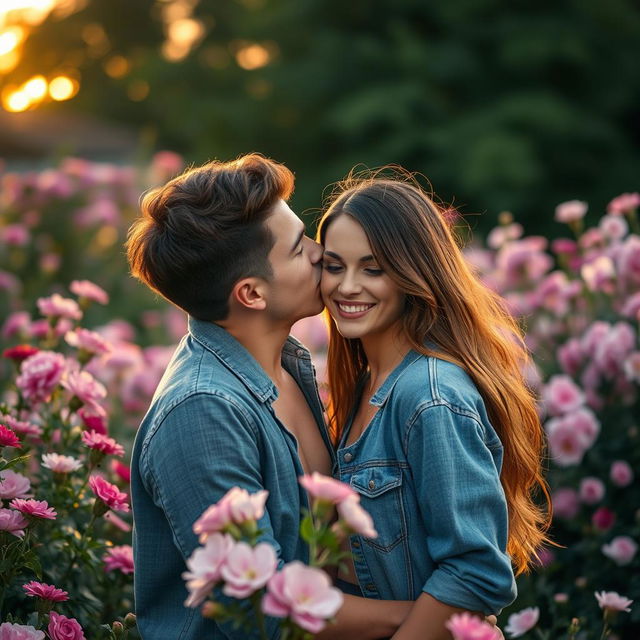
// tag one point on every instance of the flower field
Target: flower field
(84, 347)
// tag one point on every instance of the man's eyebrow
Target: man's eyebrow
(331, 254)
(298, 239)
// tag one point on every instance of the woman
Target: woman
(443, 442)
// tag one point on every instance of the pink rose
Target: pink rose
(464, 626)
(621, 473)
(40, 375)
(204, 567)
(571, 211)
(303, 594)
(624, 203)
(120, 558)
(621, 550)
(521, 622)
(561, 395)
(603, 519)
(612, 601)
(565, 503)
(248, 569)
(571, 356)
(326, 489)
(13, 522)
(566, 445)
(13, 485)
(591, 490)
(34, 508)
(356, 519)
(58, 307)
(9, 631)
(63, 628)
(108, 493)
(89, 290)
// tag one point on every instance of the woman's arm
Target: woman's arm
(366, 619)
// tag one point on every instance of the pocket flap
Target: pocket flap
(374, 481)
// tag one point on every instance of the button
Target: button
(372, 484)
(348, 457)
(299, 352)
(356, 544)
(370, 587)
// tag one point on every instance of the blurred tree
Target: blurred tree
(501, 105)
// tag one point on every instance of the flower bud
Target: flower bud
(117, 628)
(130, 620)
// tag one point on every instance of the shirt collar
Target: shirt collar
(381, 395)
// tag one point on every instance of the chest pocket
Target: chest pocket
(380, 490)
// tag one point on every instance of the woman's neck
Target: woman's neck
(384, 353)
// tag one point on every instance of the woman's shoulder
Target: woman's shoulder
(432, 380)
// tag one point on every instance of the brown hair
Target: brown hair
(204, 230)
(446, 303)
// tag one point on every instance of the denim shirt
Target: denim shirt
(427, 470)
(211, 426)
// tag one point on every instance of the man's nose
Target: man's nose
(314, 251)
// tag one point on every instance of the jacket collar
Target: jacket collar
(381, 395)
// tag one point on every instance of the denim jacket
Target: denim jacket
(427, 470)
(210, 427)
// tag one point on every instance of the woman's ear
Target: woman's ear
(249, 293)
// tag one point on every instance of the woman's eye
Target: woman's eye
(332, 268)
(374, 272)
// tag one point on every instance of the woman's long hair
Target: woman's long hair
(446, 304)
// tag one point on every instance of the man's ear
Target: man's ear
(249, 293)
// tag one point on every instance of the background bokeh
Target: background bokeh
(502, 105)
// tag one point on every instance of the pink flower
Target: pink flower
(108, 493)
(82, 385)
(561, 395)
(60, 464)
(571, 211)
(631, 307)
(40, 375)
(599, 274)
(571, 356)
(8, 438)
(204, 567)
(89, 290)
(13, 522)
(603, 519)
(613, 227)
(612, 601)
(565, 503)
(102, 443)
(303, 594)
(621, 550)
(9, 631)
(117, 522)
(628, 260)
(591, 490)
(120, 558)
(121, 470)
(88, 341)
(248, 569)
(34, 508)
(632, 367)
(624, 203)
(63, 628)
(464, 626)
(164, 165)
(356, 518)
(20, 426)
(13, 485)
(16, 324)
(237, 506)
(326, 489)
(585, 423)
(15, 235)
(566, 444)
(614, 347)
(621, 473)
(94, 418)
(45, 591)
(521, 622)
(58, 307)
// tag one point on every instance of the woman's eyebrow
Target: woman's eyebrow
(367, 258)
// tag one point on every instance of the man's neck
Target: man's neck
(264, 343)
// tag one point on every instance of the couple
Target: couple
(429, 420)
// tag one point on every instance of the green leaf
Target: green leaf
(307, 530)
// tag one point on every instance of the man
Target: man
(238, 404)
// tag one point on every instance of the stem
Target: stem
(605, 630)
(255, 600)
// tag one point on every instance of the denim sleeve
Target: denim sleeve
(464, 510)
(205, 445)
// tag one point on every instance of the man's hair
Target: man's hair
(205, 230)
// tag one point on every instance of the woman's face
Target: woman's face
(359, 295)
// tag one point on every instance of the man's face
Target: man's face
(294, 290)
